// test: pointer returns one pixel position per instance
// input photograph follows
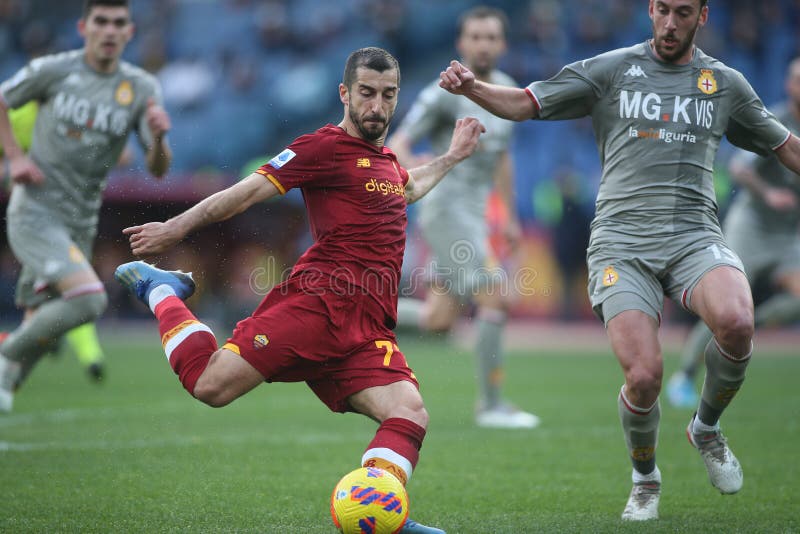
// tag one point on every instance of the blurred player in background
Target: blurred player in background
(762, 228)
(330, 323)
(82, 339)
(89, 101)
(659, 110)
(453, 217)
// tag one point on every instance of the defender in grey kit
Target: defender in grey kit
(89, 101)
(659, 110)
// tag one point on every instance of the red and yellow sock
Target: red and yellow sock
(395, 447)
(187, 342)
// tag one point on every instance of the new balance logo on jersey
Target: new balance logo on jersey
(635, 71)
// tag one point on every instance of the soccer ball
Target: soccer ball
(369, 500)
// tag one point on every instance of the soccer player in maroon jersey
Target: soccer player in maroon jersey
(330, 323)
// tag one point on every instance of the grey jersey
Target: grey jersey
(433, 115)
(771, 171)
(658, 127)
(82, 126)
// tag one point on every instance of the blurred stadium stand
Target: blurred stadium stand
(242, 78)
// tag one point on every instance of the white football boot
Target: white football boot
(724, 470)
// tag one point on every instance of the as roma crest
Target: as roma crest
(260, 341)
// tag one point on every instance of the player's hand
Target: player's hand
(457, 79)
(780, 199)
(23, 170)
(157, 119)
(465, 137)
(152, 238)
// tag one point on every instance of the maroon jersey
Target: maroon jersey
(355, 199)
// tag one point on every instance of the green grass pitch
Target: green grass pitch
(137, 454)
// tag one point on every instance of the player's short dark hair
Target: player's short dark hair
(372, 58)
(89, 4)
(482, 12)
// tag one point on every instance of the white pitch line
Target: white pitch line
(175, 441)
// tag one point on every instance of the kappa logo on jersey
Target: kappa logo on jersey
(635, 71)
(363, 163)
(706, 82)
(260, 341)
(610, 276)
(282, 159)
(124, 93)
(83, 113)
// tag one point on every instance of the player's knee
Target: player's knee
(734, 326)
(88, 307)
(413, 410)
(437, 324)
(212, 397)
(211, 393)
(417, 414)
(644, 381)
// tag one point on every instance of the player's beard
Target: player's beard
(680, 49)
(370, 133)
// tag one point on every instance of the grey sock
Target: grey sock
(640, 427)
(490, 358)
(724, 377)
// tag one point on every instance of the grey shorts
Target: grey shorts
(49, 251)
(462, 263)
(766, 254)
(628, 273)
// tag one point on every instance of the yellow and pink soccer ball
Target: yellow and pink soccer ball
(369, 501)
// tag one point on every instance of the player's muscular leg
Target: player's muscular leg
(634, 338)
(76, 280)
(493, 300)
(227, 377)
(399, 399)
(440, 310)
(723, 300)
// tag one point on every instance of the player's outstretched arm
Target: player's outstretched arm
(462, 145)
(157, 237)
(511, 103)
(789, 154)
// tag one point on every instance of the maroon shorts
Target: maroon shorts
(335, 341)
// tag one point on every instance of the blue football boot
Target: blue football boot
(412, 527)
(141, 278)
(681, 392)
